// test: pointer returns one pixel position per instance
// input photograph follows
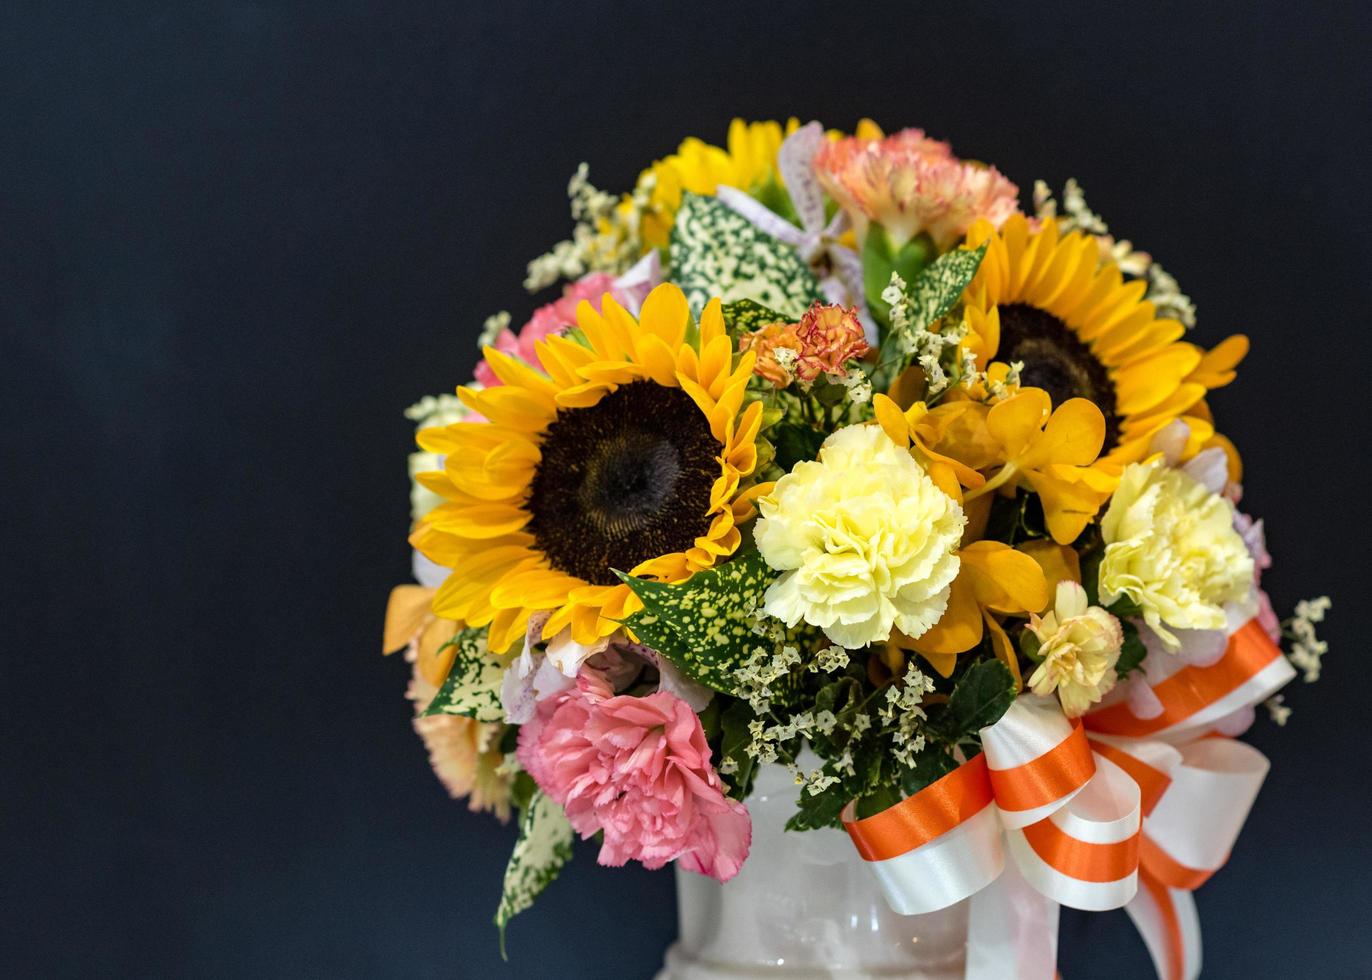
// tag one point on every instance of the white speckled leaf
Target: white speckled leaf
(472, 688)
(704, 625)
(543, 847)
(715, 251)
(935, 291)
(942, 283)
(744, 316)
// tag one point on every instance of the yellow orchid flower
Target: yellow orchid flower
(993, 579)
(1052, 451)
(409, 612)
(922, 429)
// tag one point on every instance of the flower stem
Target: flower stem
(996, 482)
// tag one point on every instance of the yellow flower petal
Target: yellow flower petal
(1004, 579)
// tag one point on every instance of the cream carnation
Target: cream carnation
(864, 538)
(1079, 645)
(1172, 549)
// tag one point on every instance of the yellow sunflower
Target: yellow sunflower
(625, 453)
(747, 161)
(1082, 330)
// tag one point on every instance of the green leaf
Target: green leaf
(878, 261)
(715, 251)
(932, 294)
(816, 810)
(932, 764)
(936, 289)
(1123, 608)
(880, 798)
(744, 316)
(774, 198)
(1132, 651)
(704, 625)
(984, 693)
(543, 847)
(795, 442)
(734, 741)
(472, 688)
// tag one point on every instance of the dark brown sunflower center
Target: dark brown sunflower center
(622, 481)
(1056, 360)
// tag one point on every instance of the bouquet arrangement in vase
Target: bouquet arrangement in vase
(834, 454)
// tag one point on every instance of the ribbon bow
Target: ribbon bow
(1085, 818)
(815, 240)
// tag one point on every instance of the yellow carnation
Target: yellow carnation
(1172, 549)
(1079, 645)
(864, 538)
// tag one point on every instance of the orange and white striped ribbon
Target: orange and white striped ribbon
(1085, 819)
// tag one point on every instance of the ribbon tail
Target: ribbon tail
(1012, 931)
(1166, 918)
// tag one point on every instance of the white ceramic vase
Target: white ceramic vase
(803, 907)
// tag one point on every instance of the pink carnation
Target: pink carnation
(639, 770)
(911, 184)
(552, 318)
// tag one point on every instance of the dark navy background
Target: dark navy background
(237, 239)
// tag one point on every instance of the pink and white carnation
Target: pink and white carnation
(551, 318)
(628, 290)
(911, 184)
(638, 769)
(1255, 538)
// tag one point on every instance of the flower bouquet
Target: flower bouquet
(829, 457)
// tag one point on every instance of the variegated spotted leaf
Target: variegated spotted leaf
(942, 283)
(715, 251)
(933, 293)
(745, 316)
(543, 847)
(472, 688)
(704, 625)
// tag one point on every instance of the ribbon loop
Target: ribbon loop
(1195, 824)
(1086, 854)
(1137, 815)
(1038, 760)
(1251, 670)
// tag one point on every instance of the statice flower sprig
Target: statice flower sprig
(1307, 650)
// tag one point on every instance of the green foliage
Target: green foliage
(795, 442)
(543, 847)
(982, 695)
(771, 195)
(1123, 607)
(880, 258)
(932, 764)
(734, 741)
(1132, 652)
(472, 688)
(704, 625)
(930, 295)
(1016, 519)
(744, 316)
(715, 251)
(816, 810)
